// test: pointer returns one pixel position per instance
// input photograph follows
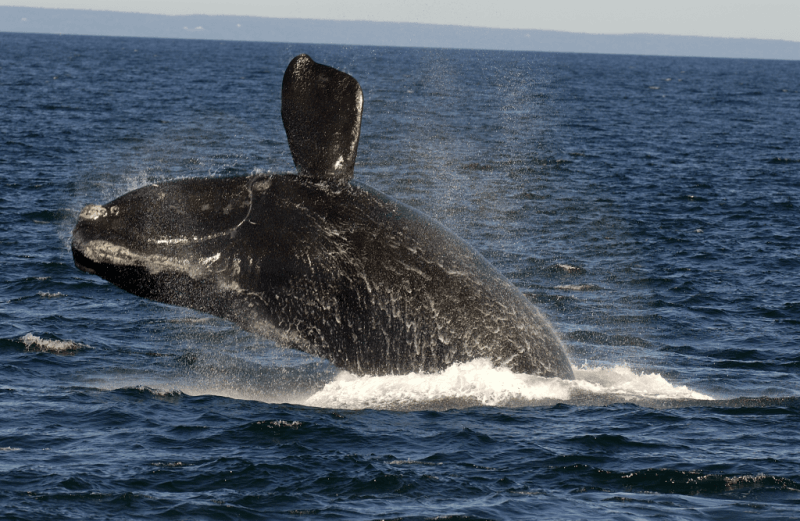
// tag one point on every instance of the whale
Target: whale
(315, 260)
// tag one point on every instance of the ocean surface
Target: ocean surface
(649, 206)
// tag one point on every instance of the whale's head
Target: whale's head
(162, 237)
(177, 231)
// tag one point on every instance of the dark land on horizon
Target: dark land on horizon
(392, 34)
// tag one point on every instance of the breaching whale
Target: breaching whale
(316, 261)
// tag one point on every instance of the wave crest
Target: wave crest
(35, 343)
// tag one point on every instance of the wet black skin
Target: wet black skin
(318, 263)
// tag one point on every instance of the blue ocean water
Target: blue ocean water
(647, 205)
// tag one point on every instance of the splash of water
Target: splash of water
(479, 383)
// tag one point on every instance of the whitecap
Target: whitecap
(578, 287)
(35, 343)
(156, 391)
(44, 294)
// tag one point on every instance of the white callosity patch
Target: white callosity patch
(92, 212)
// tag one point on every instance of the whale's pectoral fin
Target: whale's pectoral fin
(321, 110)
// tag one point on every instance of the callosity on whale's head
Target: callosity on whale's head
(315, 261)
(164, 241)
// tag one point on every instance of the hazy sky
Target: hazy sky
(771, 19)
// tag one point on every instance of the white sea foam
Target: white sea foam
(282, 423)
(35, 343)
(479, 383)
(578, 287)
(156, 391)
(622, 381)
(476, 383)
(44, 294)
(170, 464)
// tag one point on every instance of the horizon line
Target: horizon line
(408, 23)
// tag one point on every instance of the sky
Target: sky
(768, 19)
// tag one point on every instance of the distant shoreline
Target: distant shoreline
(390, 34)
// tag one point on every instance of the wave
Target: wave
(44, 294)
(157, 392)
(578, 287)
(35, 343)
(478, 383)
(567, 268)
(783, 160)
(694, 482)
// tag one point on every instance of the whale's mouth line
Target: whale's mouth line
(96, 256)
(82, 262)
